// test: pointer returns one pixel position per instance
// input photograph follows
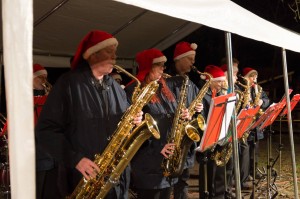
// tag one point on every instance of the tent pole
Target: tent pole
(47, 14)
(290, 125)
(233, 120)
(17, 16)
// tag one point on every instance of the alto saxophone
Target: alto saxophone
(180, 128)
(124, 143)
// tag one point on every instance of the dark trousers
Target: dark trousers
(253, 146)
(181, 187)
(46, 184)
(215, 179)
(154, 193)
(244, 161)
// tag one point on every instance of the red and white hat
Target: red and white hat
(216, 73)
(183, 49)
(38, 70)
(91, 43)
(145, 59)
(247, 72)
(224, 67)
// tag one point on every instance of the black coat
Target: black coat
(79, 117)
(146, 164)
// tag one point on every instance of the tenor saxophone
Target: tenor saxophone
(184, 133)
(124, 143)
(171, 164)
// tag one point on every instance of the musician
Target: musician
(256, 135)
(147, 176)
(83, 110)
(184, 59)
(46, 176)
(215, 175)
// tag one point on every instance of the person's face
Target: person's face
(39, 81)
(184, 65)
(156, 71)
(253, 79)
(103, 61)
(217, 84)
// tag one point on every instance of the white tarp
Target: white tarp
(224, 15)
(17, 41)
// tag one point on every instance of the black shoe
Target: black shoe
(247, 185)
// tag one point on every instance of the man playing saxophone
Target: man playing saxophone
(82, 112)
(215, 174)
(147, 176)
(257, 98)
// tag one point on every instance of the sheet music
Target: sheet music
(219, 107)
(226, 119)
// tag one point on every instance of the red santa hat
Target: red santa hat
(216, 73)
(38, 70)
(247, 72)
(224, 68)
(91, 43)
(183, 49)
(145, 59)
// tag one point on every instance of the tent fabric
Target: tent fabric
(18, 18)
(135, 28)
(224, 15)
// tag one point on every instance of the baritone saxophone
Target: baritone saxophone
(124, 143)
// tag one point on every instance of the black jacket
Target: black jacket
(79, 117)
(146, 164)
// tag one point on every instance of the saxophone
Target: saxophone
(256, 100)
(199, 122)
(47, 87)
(181, 132)
(124, 143)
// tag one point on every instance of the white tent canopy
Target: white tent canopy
(224, 15)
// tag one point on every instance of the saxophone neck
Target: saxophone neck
(137, 89)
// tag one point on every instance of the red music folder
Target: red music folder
(293, 103)
(263, 117)
(245, 119)
(277, 110)
(218, 120)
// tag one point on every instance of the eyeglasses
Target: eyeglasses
(161, 64)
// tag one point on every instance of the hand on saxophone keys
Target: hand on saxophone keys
(138, 118)
(185, 115)
(168, 150)
(199, 107)
(87, 168)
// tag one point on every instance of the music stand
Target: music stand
(269, 118)
(218, 119)
(245, 119)
(293, 103)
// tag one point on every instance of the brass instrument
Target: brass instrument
(246, 92)
(187, 132)
(222, 155)
(172, 165)
(256, 100)
(124, 143)
(47, 86)
(166, 75)
(199, 122)
(137, 89)
(240, 95)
